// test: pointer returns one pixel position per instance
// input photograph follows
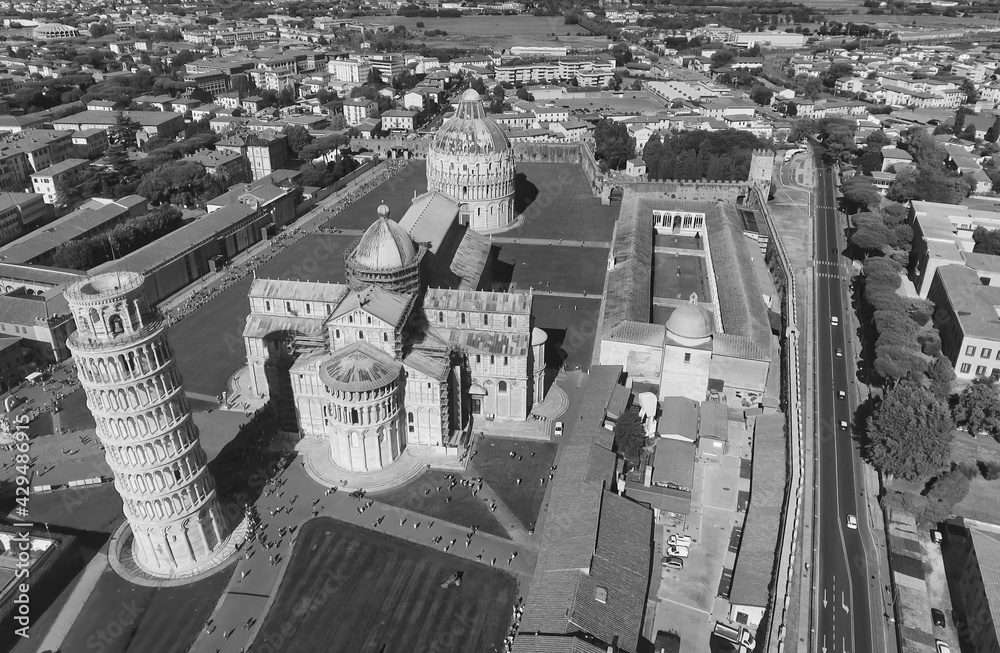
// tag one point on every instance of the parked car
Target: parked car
(852, 522)
(678, 551)
(843, 424)
(936, 536)
(679, 540)
(559, 429)
(841, 394)
(669, 562)
(839, 352)
(834, 320)
(938, 618)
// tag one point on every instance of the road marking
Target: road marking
(824, 597)
(843, 603)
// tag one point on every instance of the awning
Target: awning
(34, 376)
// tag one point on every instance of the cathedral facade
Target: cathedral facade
(415, 347)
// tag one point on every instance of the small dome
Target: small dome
(538, 337)
(470, 131)
(384, 246)
(359, 367)
(689, 321)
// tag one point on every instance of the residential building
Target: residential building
(389, 65)
(226, 165)
(266, 151)
(48, 181)
(358, 110)
(89, 143)
(18, 211)
(354, 71)
(942, 235)
(14, 169)
(966, 315)
(399, 120)
(44, 147)
(151, 123)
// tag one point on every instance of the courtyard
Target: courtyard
(351, 589)
(551, 268)
(531, 461)
(676, 276)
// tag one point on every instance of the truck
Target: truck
(738, 635)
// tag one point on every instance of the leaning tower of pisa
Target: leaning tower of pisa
(151, 442)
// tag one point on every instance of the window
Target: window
(288, 306)
(970, 351)
(502, 386)
(409, 420)
(385, 336)
(965, 368)
(462, 318)
(986, 353)
(995, 374)
(980, 370)
(486, 319)
(308, 309)
(354, 419)
(440, 316)
(687, 358)
(493, 360)
(267, 306)
(505, 359)
(479, 358)
(350, 319)
(336, 333)
(601, 594)
(510, 321)
(361, 335)
(369, 319)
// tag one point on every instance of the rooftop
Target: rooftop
(974, 304)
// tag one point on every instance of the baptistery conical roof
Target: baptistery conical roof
(470, 131)
(385, 245)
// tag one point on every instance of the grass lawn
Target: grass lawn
(97, 509)
(208, 344)
(668, 285)
(351, 589)
(397, 193)
(677, 242)
(120, 617)
(74, 414)
(571, 324)
(563, 205)
(422, 495)
(662, 313)
(555, 268)
(494, 463)
(983, 497)
(41, 425)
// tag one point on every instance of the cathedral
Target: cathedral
(415, 346)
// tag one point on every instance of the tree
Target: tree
(298, 137)
(630, 436)
(316, 174)
(861, 195)
(870, 233)
(479, 86)
(123, 131)
(993, 132)
(178, 182)
(722, 58)
(876, 140)
(614, 145)
(200, 94)
(802, 129)
(374, 77)
(523, 94)
(978, 407)
(761, 95)
(986, 241)
(909, 432)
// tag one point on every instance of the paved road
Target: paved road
(845, 619)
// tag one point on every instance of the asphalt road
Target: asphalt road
(845, 619)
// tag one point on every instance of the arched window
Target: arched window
(465, 191)
(502, 386)
(308, 309)
(369, 319)
(410, 422)
(350, 319)
(361, 335)
(510, 321)
(441, 317)
(486, 319)
(336, 333)
(329, 309)
(385, 336)
(492, 359)
(462, 318)
(354, 419)
(288, 307)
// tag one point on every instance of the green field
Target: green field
(476, 31)
(571, 324)
(350, 589)
(423, 496)
(677, 276)
(500, 471)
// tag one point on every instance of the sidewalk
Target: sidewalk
(77, 599)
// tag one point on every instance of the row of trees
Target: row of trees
(87, 253)
(723, 155)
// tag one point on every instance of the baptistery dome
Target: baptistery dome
(471, 161)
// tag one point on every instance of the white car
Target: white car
(559, 429)
(678, 551)
(843, 424)
(835, 321)
(679, 540)
(839, 352)
(852, 522)
(841, 394)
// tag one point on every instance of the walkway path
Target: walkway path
(680, 251)
(77, 599)
(556, 241)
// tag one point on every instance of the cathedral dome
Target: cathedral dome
(690, 322)
(359, 367)
(470, 131)
(385, 245)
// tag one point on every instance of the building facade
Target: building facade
(134, 390)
